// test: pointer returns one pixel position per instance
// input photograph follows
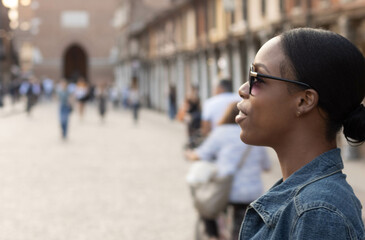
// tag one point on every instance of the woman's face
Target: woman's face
(266, 116)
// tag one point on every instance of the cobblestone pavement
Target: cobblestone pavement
(109, 181)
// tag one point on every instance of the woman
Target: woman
(102, 96)
(82, 95)
(192, 118)
(134, 99)
(304, 86)
(65, 106)
(224, 146)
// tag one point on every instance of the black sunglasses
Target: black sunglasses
(254, 76)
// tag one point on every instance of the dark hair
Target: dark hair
(230, 114)
(335, 68)
(134, 82)
(226, 85)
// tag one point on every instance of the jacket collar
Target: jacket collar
(271, 204)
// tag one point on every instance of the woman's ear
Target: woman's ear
(307, 100)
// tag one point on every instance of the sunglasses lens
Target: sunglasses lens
(250, 82)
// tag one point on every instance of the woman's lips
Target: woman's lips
(240, 117)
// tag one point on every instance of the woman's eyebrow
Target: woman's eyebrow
(260, 65)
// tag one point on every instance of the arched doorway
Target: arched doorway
(75, 63)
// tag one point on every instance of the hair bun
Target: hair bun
(354, 125)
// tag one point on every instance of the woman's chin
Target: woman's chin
(243, 137)
(247, 140)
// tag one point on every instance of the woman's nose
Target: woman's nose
(243, 91)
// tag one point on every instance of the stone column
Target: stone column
(213, 70)
(344, 26)
(224, 63)
(251, 51)
(160, 86)
(195, 71)
(154, 87)
(180, 85)
(164, 84)
(236, 67)
(204, 87)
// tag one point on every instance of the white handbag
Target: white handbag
(210, 192)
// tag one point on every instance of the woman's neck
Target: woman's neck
(295, 153)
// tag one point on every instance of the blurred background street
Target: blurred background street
(125, 79)
(111, 180)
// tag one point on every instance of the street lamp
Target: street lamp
(14, 24)
(10, 3)
(25, 2)
(13, 14)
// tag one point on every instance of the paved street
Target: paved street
(109, 181)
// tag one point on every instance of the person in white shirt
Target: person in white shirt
(224, 147)
(134, 98)
(214, 107)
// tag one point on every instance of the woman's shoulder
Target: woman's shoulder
(332, 193)
(335, 184)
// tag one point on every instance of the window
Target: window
(214, 14)
(75, 19)
(281, 6)
(263, 7)
(244, 9)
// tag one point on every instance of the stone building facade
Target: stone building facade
(69, 38)
(198, 42)
(8, 55)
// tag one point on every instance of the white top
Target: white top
(215, 107)
(80, 92)
(133, 96)
(225, 147)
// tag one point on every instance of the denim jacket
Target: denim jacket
(315, 202)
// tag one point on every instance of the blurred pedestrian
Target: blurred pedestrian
(91, 93)
(214, 107)
(190, 113)
(304, 86)
(82, 95)
(134, 98)
(15, 84)
(48, 86)
(125, 97)
(14, 90)
(172, 101)
(2, 91)
(224, 147)
(101, 93)
(32, 89)
(65, 106)
(114, 96)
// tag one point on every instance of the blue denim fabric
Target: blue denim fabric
(64, 115)
(315, 202)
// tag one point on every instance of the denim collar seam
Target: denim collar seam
(298, 206)
(271, 218)
(299, 188)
